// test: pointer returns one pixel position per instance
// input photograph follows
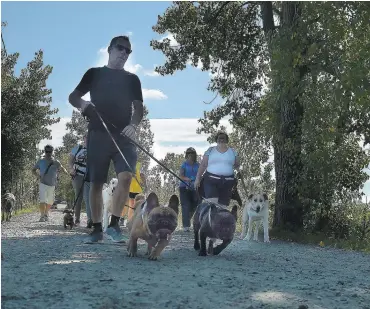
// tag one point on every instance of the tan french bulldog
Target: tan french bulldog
(154, 224)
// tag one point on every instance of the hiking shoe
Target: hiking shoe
(94, 237)
(46, 218)
(114, 233)
(42, 218)
(89, 224)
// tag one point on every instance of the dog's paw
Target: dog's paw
(153, 257)
(131, 254)
(266, 240)
(196, 246)
(202, 253)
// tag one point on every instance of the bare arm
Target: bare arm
(75, 98)
(202, 167)
(138, 112)
(71, 161)
(34, 171)
(237, 163)
(182, 175)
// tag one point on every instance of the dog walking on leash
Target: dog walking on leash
(114, 92)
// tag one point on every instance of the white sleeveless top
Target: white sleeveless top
(221, 164)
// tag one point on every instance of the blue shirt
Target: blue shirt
(50, 178)
(190, 171)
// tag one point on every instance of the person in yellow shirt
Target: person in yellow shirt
(135, 189)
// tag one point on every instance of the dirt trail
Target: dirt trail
(46, 266)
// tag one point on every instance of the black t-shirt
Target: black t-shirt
(112, 92)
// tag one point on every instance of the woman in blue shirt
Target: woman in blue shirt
(188, 197)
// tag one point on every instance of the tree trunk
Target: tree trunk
(287, 155)
(287, 141)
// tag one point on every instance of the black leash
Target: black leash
(79, 192)
(119, 150)
(141, 148)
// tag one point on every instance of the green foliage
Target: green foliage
(314, 108)
(26, 113)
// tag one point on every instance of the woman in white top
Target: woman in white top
(218, 164)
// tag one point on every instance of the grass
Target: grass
(26, 210)
(320, 239)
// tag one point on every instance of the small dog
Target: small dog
(108, 191)
(154, 224)
(256, 210)
(68, 218)
(7, 205)
(216, 222)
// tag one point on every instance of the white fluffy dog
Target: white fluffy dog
(256, 210)
(108, 191)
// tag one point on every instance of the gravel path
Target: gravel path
(46, 266)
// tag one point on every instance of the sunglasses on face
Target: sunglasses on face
(48, 151)
(221, 138)
(123, 48)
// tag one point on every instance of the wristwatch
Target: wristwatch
(134, 126)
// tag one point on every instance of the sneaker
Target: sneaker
(115, 234)
(46, 217)
(186, 229)
(42, 218)
(94, 237)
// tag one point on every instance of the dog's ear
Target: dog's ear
(234, 212)
(152, 202)
(174, 203)
(250, 196)
(265, 196)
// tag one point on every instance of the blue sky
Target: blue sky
(71, 35)
(74, 37)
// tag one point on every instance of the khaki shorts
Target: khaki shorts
(47, 194)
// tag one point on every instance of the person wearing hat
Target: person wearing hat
(189, 198)
(217, 170)
(46, 170)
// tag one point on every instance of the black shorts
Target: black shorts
(132, 195)
(101, 150)
(219, 186)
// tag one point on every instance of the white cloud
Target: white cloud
(170, 135)
(151, 73)
(58, 130)
(153, 94)
(172, 39)
(130, 66)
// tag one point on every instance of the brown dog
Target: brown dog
(154, 224)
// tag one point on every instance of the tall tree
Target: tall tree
(26, 113)
(288, 46)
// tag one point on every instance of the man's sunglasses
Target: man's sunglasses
(48, 151)
(121, 48)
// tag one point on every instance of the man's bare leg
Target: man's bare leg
(96, 202)
(96, 206)
(120, 195)
(42, 211)
(131, 209)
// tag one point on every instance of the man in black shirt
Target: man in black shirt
(113, 92)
